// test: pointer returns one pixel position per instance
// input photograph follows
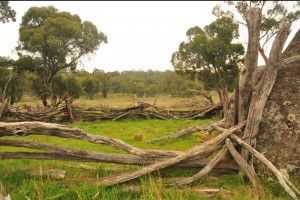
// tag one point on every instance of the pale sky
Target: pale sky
(141, 35)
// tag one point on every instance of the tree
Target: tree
(6, 12)
(210, 56)
(91, 86)
(273, 14)
(11, 81)
(104, 81)
(66, 84)
(51, 41)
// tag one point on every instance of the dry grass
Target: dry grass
(125, 100)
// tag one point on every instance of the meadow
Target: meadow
(15, 180)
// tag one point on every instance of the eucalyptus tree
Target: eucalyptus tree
(51, 41)
(211, 56)
(6, 12)
(273, 13)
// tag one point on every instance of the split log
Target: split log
(263, 88)
(212, 163)
(92, 156)
(245, 167)
(284, 182)
(226, 165)
(116, 179)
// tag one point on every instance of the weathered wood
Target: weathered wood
(205, 128)
(262, 90)
(42, 128)
(212, 163)
(177, 134)
(68, 105)
(245, 167)
(116, 179)
(246, 78)
(227, 165)
(284, 182)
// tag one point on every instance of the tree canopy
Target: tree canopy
(210, 55)
(51, 41)
(273, 14)
(6, 12)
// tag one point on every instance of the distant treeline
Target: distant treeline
(80, 82)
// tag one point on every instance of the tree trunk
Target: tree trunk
(250, 63)
(263, 88)
(44, 99)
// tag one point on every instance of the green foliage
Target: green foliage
(66, 84)
(273, 13)
(209, 54)
(17, 84)
(104, 81)
(51, 41)
(6, 12)
(90, 86)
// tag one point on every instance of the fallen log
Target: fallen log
(227, 165)
(42, 128)
(210, 165)
(116, 179)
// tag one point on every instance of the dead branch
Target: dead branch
(42, 128)
(205, 128)
(63, 153)
(212, 163)
(116, 179)
(284, 182)
(245, 167)
(227, 165)
(205, 95)
(179, 133)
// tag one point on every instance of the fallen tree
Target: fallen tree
(70, 113)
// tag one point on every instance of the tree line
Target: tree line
(98, 83)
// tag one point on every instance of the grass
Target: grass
(124, 100)
(137, 133)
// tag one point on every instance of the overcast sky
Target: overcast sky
(141, 35)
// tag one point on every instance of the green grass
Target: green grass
(137, 133)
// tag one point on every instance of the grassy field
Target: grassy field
(125, 100)
(24, 186)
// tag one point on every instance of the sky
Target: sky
(142, 35)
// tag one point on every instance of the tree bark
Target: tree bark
(263, 88)
(246, 82)
(245, 167)
(116, 179)
(212, 163)
(42, 128)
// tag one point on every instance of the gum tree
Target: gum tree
(51, 41)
